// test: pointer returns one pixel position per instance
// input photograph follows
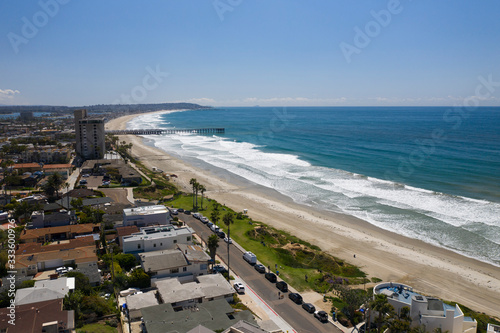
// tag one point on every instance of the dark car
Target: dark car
(282, 286)
(221, 234)
(296, 298)
(271, 277)
(187, 212)
(321, 315)
(180, 210)
(308, 307)
(219, 269)
(260, 268)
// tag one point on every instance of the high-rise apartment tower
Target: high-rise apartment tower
(89, 136)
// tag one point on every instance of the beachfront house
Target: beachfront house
(426, 311)
(146, 216)
(156, 238)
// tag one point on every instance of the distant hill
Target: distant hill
(102, 108)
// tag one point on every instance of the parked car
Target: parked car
(221, 234)
(308, 307)
(321, 315)
(281, 285)
(180, 210)
(174, 212)
(239, 287)
(271, 277)
(63, 270)
(86, 175)
(83, 181)
(260, 268)
(196, 215)
(210, 224)
(187, 212)
(129, 291)
(219, 269)
(228, 240)
(204, 220)
(214, 228)
(295, 297)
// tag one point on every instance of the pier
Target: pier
(167, 131)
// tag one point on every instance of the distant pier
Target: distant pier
(167, 131)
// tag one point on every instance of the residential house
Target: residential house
(125, 231)
(203, 289)
(156, 238)
(146, 216)
(428, 311)
(45, 290)
(44, 235)
(39, 219)
(137, 302)
(189, 262)
(215, 315)
(47, 316)
(31, 264)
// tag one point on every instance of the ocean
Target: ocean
(429, 173)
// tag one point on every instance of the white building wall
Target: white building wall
(136, 244)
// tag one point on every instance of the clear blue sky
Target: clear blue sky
(249, 52)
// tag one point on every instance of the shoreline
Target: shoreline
(427, 268)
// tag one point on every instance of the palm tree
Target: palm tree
(382, 306)
(194, 183)
(202, 190)
(228, 219)
(215, 215)
(213, 244)
(197, 188)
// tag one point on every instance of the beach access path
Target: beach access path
(389, 256)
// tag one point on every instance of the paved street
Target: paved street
(292, 313)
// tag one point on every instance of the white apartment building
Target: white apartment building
(156, 238)
(146, 216)
(428, 311)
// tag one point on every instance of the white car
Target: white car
(239, 287)
(228, 240)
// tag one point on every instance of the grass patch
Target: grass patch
(293, 257)
(96, 328)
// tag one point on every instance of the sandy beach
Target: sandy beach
(391, 257)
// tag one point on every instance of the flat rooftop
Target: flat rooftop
(159, 232)
(145, 210)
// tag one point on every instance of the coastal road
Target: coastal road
(292, 313)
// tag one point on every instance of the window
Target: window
(154, 245)
(138, 246)
(174, 270)
(188, 238)
(175, 241)
(184, 269)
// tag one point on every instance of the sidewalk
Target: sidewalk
(291, 289)
(257, 304)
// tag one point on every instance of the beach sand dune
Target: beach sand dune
(391, 257)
